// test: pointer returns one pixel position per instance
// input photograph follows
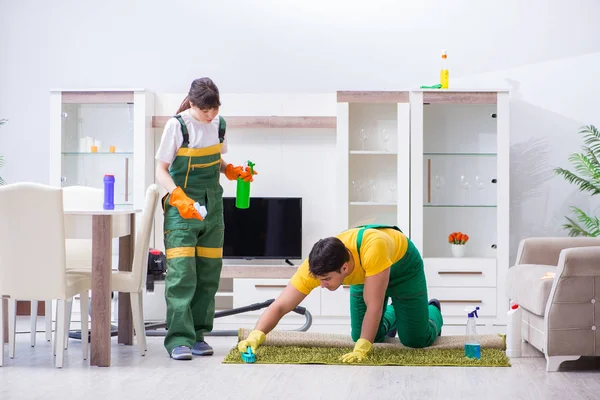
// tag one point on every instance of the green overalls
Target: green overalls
(417, 322)
(194, 248)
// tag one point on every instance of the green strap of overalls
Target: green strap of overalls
(362, 231)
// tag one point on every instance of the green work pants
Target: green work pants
(194, 263)
(417, 322)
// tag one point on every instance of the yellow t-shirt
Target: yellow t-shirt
(379, 250)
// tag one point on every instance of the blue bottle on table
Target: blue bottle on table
(109, 192)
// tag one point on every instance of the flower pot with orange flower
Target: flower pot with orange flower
(458, 241)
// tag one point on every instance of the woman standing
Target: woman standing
(189, 167)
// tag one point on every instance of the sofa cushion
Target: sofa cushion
(529, 286)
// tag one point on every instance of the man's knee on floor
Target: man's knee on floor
(355, 334)
(415, 342)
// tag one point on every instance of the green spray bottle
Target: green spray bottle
(242, 195)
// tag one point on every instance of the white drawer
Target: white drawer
(454, 300)
(460, 272)
(250, 291)
(336, 304)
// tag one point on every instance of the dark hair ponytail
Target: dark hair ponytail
(185, 105)
(203, 94)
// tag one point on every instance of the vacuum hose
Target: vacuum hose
(151, 329)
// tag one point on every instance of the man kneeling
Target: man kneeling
(378, 262)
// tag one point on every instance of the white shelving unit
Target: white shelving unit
(118, 123)
(448, 155)
(373, 133)
(433, 139)
(459, 181)
(292, 120)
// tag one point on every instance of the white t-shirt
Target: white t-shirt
(200, 135)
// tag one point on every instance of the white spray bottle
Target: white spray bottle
(472, 345)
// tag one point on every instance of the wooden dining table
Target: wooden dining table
(102, 226)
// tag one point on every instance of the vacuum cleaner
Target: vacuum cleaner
(157, 270)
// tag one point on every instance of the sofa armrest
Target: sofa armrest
(571, 312)
(579, 261)
(546, 250)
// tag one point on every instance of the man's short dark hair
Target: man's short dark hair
(327, 255)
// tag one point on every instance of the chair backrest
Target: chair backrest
(82, 198)
(139, 266)
(32, 242)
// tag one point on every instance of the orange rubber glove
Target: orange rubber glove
(247, 175)
(184, 204)
(232, 173)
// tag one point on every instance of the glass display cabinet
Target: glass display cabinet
(373, 134)
(98, 132)
(459, 186)
(434, 163)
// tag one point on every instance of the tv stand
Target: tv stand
(288, 262)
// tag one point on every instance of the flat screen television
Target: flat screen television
(271, 228)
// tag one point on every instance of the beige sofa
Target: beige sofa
(556, 282)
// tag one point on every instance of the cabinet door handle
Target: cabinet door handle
(126, 179)
(460, 301)
(429, 180)
(346, 286)
(460, 272)
(269, 286)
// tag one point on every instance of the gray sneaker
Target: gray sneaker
(181, 353)
(202, 349)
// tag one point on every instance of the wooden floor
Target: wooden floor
(30, 375)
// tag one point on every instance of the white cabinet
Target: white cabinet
(250, 291)
(459, 182)
(104, 131)
(446, 155)
(373, 158)
(335, 303)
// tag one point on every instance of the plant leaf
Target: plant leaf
(593, 159)
(592, 139)
(591, 223)
(583, 184)
(574, 229)
(2, 181)
(586, 168)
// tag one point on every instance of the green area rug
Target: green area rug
(284, 347)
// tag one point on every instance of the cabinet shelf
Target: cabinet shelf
(100, 153)
(462, 154)
(373, 152)
(265, 122)
(373, 203)
(459, 206)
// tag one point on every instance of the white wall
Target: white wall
(548, 51)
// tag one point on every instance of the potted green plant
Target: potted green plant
(2, 182)
(586, 176)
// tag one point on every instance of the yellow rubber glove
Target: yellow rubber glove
(254, 339)
(361, 351)
(184, 204)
